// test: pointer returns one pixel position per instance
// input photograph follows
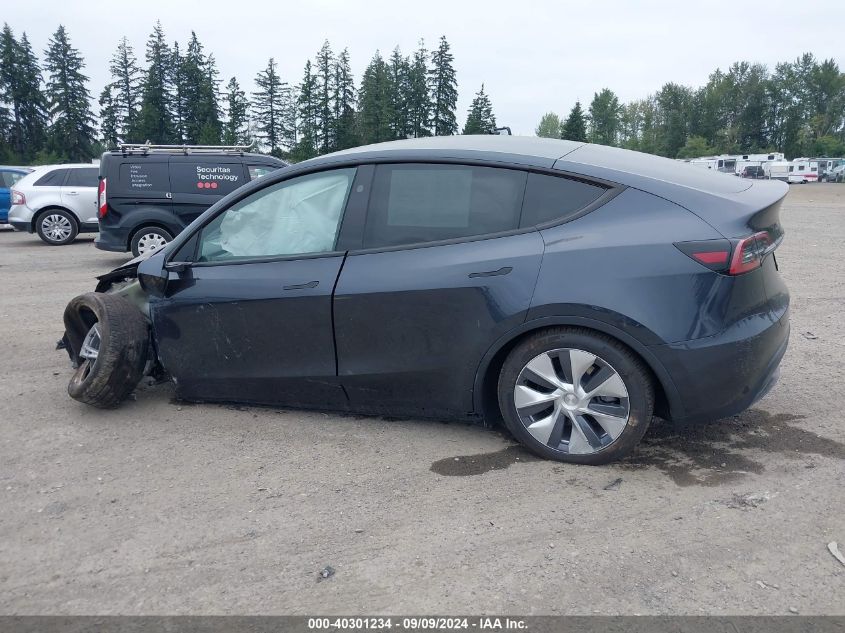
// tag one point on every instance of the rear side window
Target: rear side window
(53, 178)
(209, 178)
(413, 203)
(549, 198)
(9, 178)
(143, 178)
(85, 177)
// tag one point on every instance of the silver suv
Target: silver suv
(57, 202)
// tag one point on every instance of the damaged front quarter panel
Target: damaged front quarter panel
(123, 282)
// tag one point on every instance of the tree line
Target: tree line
(798, 109)
(177, 96)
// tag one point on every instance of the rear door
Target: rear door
(197, 182)
(441, 273)
(79, 193)
(136, 182)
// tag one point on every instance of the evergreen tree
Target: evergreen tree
(374, 102)
(480, 119)
(397, 107)
(71, 132)
(604, 117)
(155, 119)
(126, 82)
(575, 126)
(418, 100)
(307, 106)
(236, 128)
(272, 110)
(344, 103)
(324, 72)
(20, 87)
(199, 90)
(549, 126)
(443, 86)
(109, 118)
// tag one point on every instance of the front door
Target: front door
(250, 319)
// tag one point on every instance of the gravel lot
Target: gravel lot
(164, 507)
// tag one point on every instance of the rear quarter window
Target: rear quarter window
(53, 178)
(210, 178)
(550, 198)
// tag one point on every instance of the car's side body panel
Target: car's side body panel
(252, 332)
(411, 325)
(415, 328)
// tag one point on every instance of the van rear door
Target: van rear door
(200, 181)
(135, 182)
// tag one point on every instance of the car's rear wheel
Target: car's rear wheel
(575, 395)
(57, 227)
(149, 239)
(110, 338)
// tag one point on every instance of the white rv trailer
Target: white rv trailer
(803, 170)
(726, 164)
(777, 170)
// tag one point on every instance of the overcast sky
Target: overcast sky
(532, 55)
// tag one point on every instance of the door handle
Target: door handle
(73, 193)
(310, 284)
(492, 273)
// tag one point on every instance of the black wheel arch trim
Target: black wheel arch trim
(674, 403)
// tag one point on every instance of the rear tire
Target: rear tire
(110, 340)
(149, 238)
(56, 227)
(577, 390)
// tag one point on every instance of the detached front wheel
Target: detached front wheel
(109, 339)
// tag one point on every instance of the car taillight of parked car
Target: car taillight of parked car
(733, 257)
(102, 207)
(18, 197)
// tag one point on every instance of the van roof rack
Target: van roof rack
(149, 148)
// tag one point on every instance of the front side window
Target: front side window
(257, 171)
(414, 203)
(294, 217)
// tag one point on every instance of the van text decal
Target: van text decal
(208, 177)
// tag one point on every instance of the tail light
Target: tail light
(18, 197)
(102, 207)
(733, 257)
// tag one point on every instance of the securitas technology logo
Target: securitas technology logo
(209, 177)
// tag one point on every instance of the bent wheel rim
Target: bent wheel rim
(150, 242)
(572, 401)
(56, 228)
(90, 349)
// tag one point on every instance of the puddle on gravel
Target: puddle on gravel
(467, 465)
(712, 454)
(708, 454)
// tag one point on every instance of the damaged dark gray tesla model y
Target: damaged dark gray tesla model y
(572, 290)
